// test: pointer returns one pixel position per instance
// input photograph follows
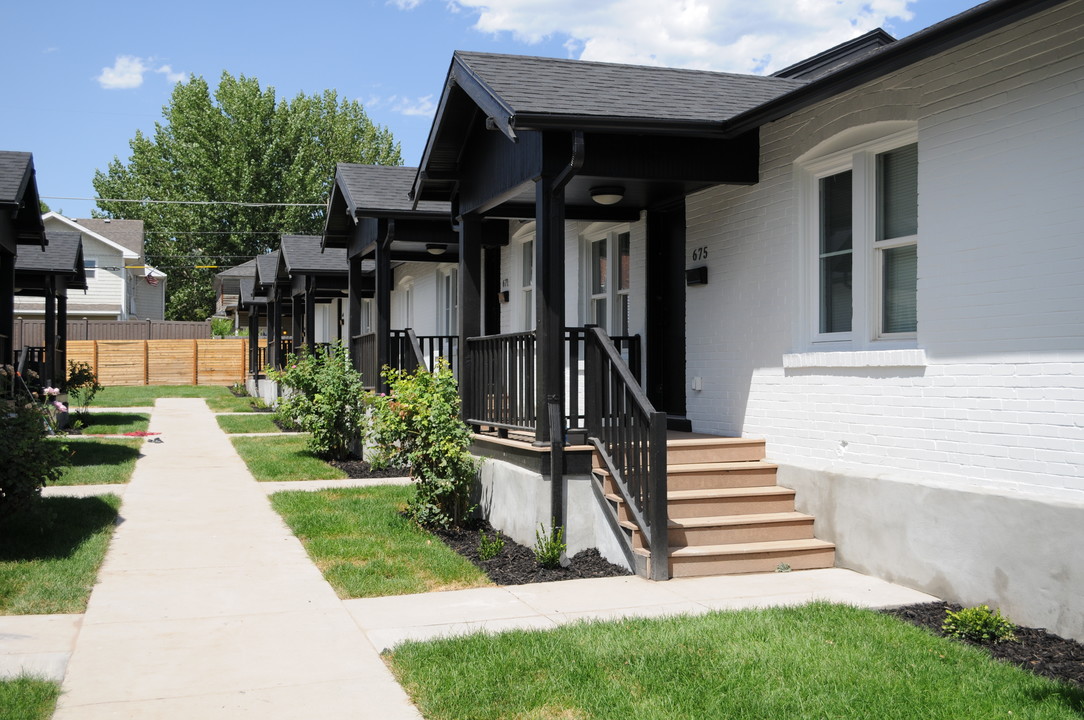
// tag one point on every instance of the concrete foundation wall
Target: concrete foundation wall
(264, 389)
(972, 545)
(517, 501)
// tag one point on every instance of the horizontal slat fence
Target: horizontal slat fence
(163, 362)
(32, 332)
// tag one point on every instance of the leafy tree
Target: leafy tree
(242, 145)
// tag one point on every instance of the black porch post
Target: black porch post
(383, 309)
(470, 304)
(7, 308)
(297, 319)
(310, 313)
(50, 330)
(62, 338)
(274, 330)
(254, 340)
(353, 309)
(549, 250)
(491, 303)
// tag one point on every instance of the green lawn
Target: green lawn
(114, 423)
(219, 398)
(252, 423)
(283, 458)
(26, 698)
(101, 461)
(815, 661)
(49, 559)
(365, 548)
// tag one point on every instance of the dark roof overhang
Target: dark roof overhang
(62, 258)
(19, 198)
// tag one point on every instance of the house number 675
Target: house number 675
(700, 253)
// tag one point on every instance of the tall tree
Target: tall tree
(244, 146)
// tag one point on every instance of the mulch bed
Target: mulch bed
(1036, 650)
(515, 564)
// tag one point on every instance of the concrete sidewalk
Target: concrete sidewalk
(208, 607)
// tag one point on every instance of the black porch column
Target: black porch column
(491, 294)
(50, 330)
(62, 340)
(7, 308)
(254, 340)
(383, 310)
(353, 310)
(274, 331)
(297, 318)
(310, 313)
(664, 347)
(549, 254)
(470, 304)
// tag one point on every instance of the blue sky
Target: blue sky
(80, 78)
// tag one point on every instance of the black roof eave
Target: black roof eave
(599, 123)
(926, 43)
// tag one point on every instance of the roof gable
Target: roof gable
(381, 190)
(303, 254)
(69, 224)
(126, 233)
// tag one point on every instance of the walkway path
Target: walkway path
(208, 607)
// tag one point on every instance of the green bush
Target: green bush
(221, 327)
(979, 625)
(31, 459)
(326, 399)
(489, 548)
(82, 385)
(550, 546)
(418, 426)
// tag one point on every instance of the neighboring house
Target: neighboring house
(871, 260)
(20, 225)
(120, 286)
(227, 289)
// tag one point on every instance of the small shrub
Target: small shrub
(31, 458)
(783, 567)
(221, 327)
(550, 546)
(418, 426)
(82, 385)
(979, 625)
(326, 399)
(489, 548)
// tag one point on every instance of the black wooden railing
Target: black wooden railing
(427, 348)
(363, 352)
(406, 351)
(630, 436)
(32, 359)
(259, 360)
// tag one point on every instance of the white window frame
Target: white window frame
(526, 292)
(90, 268)
(867, 253)
(448, 300)
(611, 236)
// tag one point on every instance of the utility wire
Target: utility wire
(185, 202)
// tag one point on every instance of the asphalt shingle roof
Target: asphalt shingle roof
(381, 189)
(302, 254)
(247, 296)
(267, 267)
(13, 169)
(127, 233)
(550, 86)
(61, 255)
(245, 269)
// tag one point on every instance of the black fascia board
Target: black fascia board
(502, 115)
(431, 141)
(935, 39)
(543, 121)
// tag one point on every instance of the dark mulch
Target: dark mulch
(515, 564)
(260, 407)
(355, 468)
(237, 391)
(1037, 650)
(287, 427)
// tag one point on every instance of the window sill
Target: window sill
(857, 358)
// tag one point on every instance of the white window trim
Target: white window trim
(522, 312)
(609, 233)
(867, 272)
(447, 317)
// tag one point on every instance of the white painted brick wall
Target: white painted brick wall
(1001, 279)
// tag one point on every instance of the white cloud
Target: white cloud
(128, 70)
(422, 106)
(730, 35)
(405, 4)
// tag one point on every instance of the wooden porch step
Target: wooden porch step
(703, 476)
(714, 502)
(713, 449)
(731, 529)
(804, 554)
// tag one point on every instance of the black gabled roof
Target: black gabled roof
(245, 269)
(247, 295)
(836, 57)
(62, 256)
(19, 193)
(302, 254)
(546, 92)
(381, 191)
(267, 267)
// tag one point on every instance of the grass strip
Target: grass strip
(283, 458)
(114, 423)
(218, 397)
(813, 661)
(366, 548)
(101, 461)
(28, 698)
(49, 557)
(254, 423)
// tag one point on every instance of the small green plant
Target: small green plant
(418, 426)
(549, 547)
(489, 548)
(82, 385)
(783, 567)
(978, 624)
(221, 327)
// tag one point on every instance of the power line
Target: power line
(147, 201)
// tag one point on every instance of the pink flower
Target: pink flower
(52, 391)
(60, 406)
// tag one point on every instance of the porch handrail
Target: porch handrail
(502, 382)
(630, 437)
(363, 353)
(415, 346)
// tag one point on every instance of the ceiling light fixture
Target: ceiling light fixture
(435, 249)
(607, 194)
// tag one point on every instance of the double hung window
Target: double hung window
(608, 282)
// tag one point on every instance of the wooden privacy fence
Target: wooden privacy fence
(163, 362)
(32, 332)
